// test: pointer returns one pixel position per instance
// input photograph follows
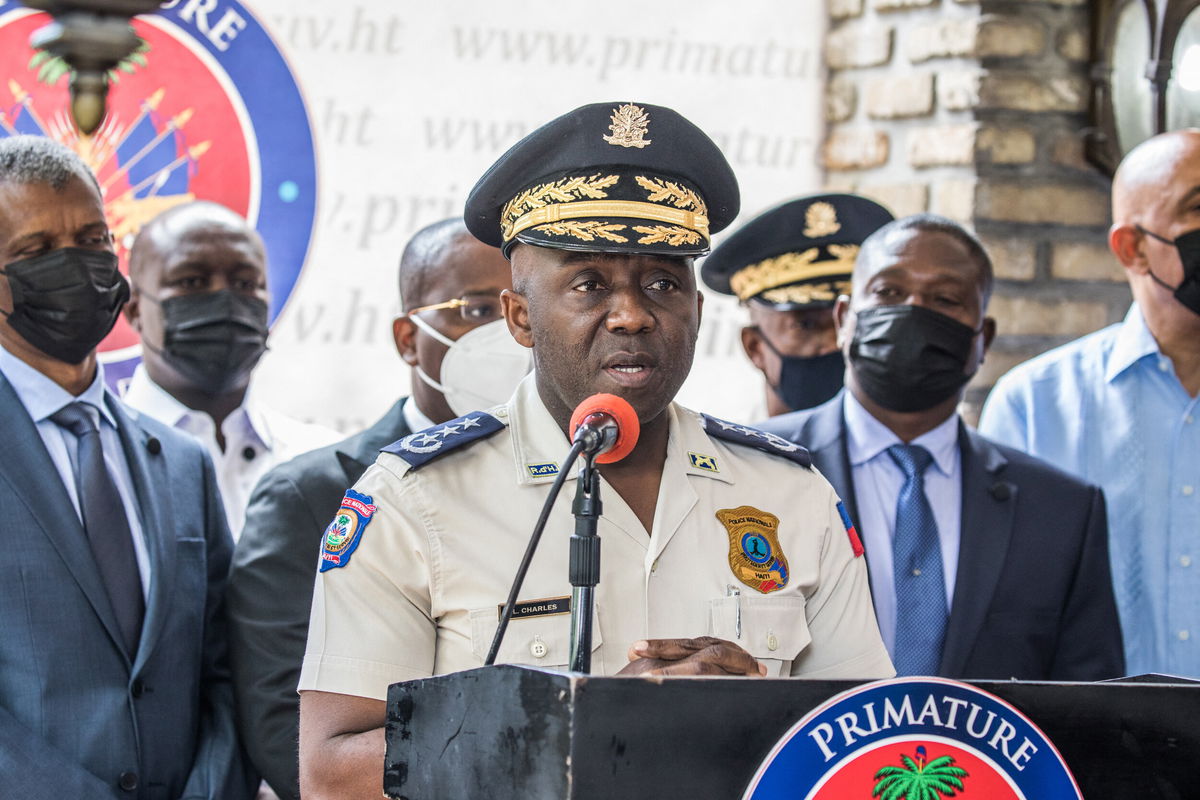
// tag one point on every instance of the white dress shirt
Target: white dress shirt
(42, 398)
(877, 483)
(414, 417)
(256, 439)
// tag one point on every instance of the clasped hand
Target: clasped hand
(705, 655)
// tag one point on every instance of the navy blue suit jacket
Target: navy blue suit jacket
(1033, 598)
(78, 717)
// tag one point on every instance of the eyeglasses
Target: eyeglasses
(477, 309)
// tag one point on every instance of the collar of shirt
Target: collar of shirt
(539, 444)
(154, 401)
(42, 397)
(868, 437)
(414, 417)
(1133, 343)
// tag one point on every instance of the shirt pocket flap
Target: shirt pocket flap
(543, 641)
(765, 627)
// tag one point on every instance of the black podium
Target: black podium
(518, 732)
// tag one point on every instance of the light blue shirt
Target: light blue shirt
(1109, 408)
(877, 483)
(42, 398)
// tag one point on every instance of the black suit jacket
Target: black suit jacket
(1033, 596)
(271, 585)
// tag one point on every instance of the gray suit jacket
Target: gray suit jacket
(270, 589)
(77, 718)
(1033, 598)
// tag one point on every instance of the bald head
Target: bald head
(425, 253)
(444, 262)
(191, 222)
(199, 267)
(1147, 169)
(1155, 202)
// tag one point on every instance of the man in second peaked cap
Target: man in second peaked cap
(724, 552)
(787, 266)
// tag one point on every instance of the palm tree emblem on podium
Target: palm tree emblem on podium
(919, 779)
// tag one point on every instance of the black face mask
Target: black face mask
(66, 301)
(807, 382)
(214, 339)
(1188, 290)
(908, 358)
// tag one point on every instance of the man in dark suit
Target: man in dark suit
(450, 286)
(113, 673)
(984, 561)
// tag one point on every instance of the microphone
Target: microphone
(607, 426)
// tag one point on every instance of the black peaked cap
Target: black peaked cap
(608, 177)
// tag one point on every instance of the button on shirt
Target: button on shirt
(42, 398)
(877, 484)
(1109, 408)
(421, 592)
(256, 439)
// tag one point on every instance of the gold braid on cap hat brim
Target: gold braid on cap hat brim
(805, 294)
(789, 268)
(573, 198)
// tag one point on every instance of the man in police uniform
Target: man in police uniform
(714, 533)
(787, 266)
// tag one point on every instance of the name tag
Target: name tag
(538, 608)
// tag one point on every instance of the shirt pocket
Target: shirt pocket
(536, 641)
(772, 629)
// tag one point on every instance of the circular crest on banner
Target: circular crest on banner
(206, 109)
(914, 739)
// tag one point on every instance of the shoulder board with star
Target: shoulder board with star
(419, 448)
(759, 440)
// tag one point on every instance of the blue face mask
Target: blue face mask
(807, 382)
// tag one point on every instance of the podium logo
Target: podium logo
(205, 109)
(914, 739)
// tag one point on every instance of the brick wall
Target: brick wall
(977, 110)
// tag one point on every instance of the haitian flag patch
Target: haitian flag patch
(851, 531)
(344, 533)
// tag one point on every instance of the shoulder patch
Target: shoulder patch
(851, 531)
(759, 440)
(419, 448)
(344, 533)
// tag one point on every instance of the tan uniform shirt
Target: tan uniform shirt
(421, 593)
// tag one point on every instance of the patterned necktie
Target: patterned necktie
(105, 522)
(917, 567)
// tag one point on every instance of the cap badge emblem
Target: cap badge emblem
(820, 220)
(629, 127)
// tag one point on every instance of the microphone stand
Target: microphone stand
(585, 548)
(585, 564)
(530, 549)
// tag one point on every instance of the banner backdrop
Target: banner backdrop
(408, 104)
